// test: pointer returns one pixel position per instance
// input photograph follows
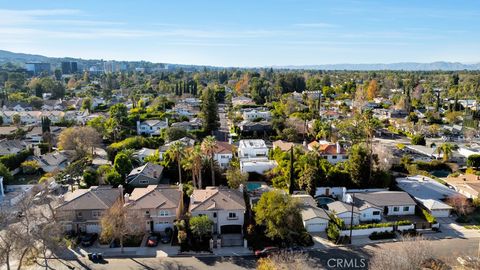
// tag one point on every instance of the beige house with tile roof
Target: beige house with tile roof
(223, 154)
(225, 207)
(82, 209)
(160, 205)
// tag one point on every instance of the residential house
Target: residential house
(252, 127)
(253, 156)
(332, 152)
(143, 153)
(148, 174)
(466, 184)
(8, 147)
(430, 194)
(375, 205)
(185, 141)
(223, 153)
(252, 149)
(314, 219)
(50, 162)
(283, 145)
(151, 127)
(225, 207)
(252, 114)
(345, 211)
(160, 205)
(82, 209)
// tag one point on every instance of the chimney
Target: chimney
(2, 192)
(126, 198)
(339, 148)
(138, 127)
(120, 190)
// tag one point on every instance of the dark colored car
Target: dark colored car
(266, 251)
(166, 239)
(152, 241)
(88, 239)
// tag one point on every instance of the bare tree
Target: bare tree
(411, 253)
(81, 139)
(32, 231)
(461, 205)
(117, 223)
(286, 261)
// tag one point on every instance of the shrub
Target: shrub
(382, 235)
(428, 217)
(418, 140)
(381, 225)
(13, 161)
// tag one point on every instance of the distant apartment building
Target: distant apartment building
(36, 68)
(69, 67)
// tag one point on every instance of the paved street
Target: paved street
(222, 133)
(446, 249)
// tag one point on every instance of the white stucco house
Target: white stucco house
(257, 165)
(223, 153)
(252, 149)
(388, 203)
(252, 114)
(344, 211)
(332, 152)
(151, 127)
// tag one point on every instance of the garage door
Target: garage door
(160, 226)
(229, 229)
(93, 228)
(316, 227)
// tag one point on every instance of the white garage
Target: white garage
(315, 219)
(93, 228)
(437, 208)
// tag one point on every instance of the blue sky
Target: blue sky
(245, 33)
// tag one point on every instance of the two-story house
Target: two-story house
(148, 174)
(223, 153)
(252, 114)
(158, 204)
(332, 152)
(225, 207)
(82, 209)
(253, 155)
(151, 127)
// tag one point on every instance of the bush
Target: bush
(306, 240)
(428, 217)
(14, 161)
(463, 219)
(418, 140)
(382, 235)
(381, 225)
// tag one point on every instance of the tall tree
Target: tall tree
(209, 144)
(291, 186)
(177, 152)
(209, 111)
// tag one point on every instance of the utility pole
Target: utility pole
(351, 219)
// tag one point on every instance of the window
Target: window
(396, 209)
(96, 214)
(232, 215)
(144, 182)
(406, 208)
(376, 213)
(215, 214)
(79, 214)
(147, 212)
(164, 213)
(334, 157)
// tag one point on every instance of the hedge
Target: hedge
(136, 142)
(381, 225)
(428, 216)
(382, 235)
(13, 161)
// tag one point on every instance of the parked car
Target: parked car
(266, 251)
(88, 239)
(166, 239)
(95, 257)
(152, 241)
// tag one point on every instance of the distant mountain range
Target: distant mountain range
(7, 56)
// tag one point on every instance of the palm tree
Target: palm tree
(208, 147)
(194, 162)
(446, 149)
(177, 150)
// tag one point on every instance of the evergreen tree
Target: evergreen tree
(292, 171)
(209, 111)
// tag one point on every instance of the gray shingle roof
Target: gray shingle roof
(385, 198)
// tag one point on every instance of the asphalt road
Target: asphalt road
(330, 258)
(222, 133)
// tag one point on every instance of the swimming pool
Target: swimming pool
(322, 201)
